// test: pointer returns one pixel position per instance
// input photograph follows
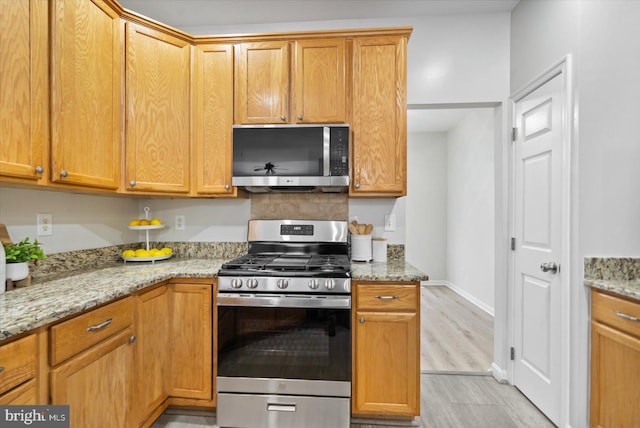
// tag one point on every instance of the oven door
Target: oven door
(284, 344)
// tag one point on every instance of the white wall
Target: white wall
(206, 220)
(79, 221)
(426, 203)
(602, 37)
(471, 208)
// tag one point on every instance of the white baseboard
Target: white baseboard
(462, 293)
(499, 373)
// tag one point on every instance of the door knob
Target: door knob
(549, 267)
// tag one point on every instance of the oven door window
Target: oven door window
(289, 343)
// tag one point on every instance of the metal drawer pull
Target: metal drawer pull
(627, 317)
(386, 297)
(100, 326)
(281, 407)
(1, 369)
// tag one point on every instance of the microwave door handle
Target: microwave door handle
(326, 155)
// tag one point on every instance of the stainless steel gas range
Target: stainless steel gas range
(284, 328)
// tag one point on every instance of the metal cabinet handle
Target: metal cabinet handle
(226, 187)
(299, 117)
(100, 326)
(357, 186)
(277, 407)
(549, 267)
(39, 169)
(361, 320)
(1, 369)
(283, 118)
(64, 173)
(386, 297)
(132, 339)
(132, 183)
(627, 317)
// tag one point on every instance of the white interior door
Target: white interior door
(538, 238)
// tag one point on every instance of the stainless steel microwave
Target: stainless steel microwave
(292, 158)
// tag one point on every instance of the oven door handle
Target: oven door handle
(286, 301)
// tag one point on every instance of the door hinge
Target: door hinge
(513, 353)
(513, 243)
(514, 134)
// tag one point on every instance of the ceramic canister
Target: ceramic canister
(361, 248)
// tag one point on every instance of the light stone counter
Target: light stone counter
(613, 274)
(58, 296)
(28, 308)
(392, 270)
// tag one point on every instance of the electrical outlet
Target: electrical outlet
(390, 222)
(180, 222)
(45, 224)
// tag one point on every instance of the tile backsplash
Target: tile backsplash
(300, 206)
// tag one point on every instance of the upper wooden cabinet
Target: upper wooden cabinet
(379, 117)
(262, 82)
(272, 88)
(24, 88)
(319, 81)
(212, 119)
(158, 111)
(86, 88)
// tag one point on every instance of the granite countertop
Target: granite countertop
(58, 296)
(629, 289)
(618, 275)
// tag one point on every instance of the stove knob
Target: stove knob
(236, 283)
(252, 283)
(313, 284)
(282, 283)
(330, 284)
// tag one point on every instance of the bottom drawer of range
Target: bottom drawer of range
(282, 411)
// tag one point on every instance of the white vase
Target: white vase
(17, 271)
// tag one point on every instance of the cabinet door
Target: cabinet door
(387, 373)
(213, 119)
(158, 104)
(379, 121)
(262, 82)
(319, 81)
(151, 351)
(86, 88)
(95, 384)
(615, 379)
(27, 393)
(191, 331)
(23, 90)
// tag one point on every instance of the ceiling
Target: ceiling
(187, 14)
(192, 13)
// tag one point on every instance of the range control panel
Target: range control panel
(296, 229)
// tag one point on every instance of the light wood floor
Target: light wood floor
(456, 336)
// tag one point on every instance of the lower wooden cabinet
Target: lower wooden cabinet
(192, 336)
(151, 352)
(96, 383)
(27, 393)
(615, 358)
(386, 374)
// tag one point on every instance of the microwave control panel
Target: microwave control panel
(339, 151)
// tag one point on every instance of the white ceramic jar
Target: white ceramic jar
(361, 248)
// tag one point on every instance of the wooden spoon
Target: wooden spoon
(368, 229)
(353, 229)
(361, 229)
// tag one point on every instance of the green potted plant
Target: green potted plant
(18, 256)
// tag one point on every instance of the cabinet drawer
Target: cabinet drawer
(18, 362)
(615, 312)
(79, 333)
(26, 393)
(388, 297)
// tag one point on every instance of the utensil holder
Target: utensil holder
(361, 248)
